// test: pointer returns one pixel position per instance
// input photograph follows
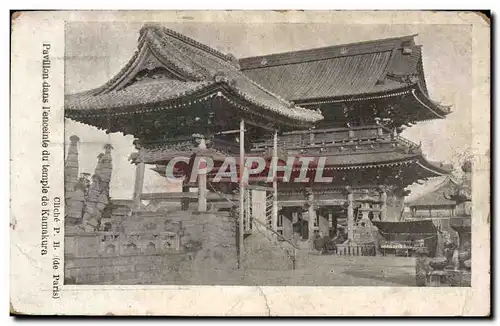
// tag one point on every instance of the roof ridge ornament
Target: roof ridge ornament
(407, 49)
(160, 28)
(222, 77)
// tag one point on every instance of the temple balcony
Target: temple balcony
(341, 140)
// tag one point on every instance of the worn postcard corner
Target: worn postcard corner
(217, 163)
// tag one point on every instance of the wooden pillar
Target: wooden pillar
(399, 201)
(287, 224)
(274, 216)
(185, 200)
(312, 218)
(350, 214)
(324, 222)
(202, 187)
(139, 177)
(242, 193)
(202, 177)
(383, 207)
(248, 207)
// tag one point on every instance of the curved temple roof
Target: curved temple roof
(346, 72)
(438, 196)
(179, 68)
(169, 66)
(375, 160)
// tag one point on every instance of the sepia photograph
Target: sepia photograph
(282, 154)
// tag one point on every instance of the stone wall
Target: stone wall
(131, 269)
(179, 247)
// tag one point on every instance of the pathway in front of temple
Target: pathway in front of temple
(339, 271)
(318, 270)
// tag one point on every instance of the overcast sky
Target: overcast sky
(95, 52)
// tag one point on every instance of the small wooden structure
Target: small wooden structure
(407, 237)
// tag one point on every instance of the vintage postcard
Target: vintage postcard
(248, 163)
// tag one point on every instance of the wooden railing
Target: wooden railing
(321, 137)
(249, 221)
(334, 138)
(354, 250)
(233, 201)
(403, 140)
(407, 142)
(280, 236)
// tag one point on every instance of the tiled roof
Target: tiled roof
(140, 93)
(437, 196)
(375, 159)
(370, 159)
(336, 71)
(197, 64)
(271, 83)
(165, 155)
(378, 159)
(324, 78)
(214, 63)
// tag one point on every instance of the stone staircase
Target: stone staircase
(264, 250)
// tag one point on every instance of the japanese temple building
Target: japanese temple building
(436, 205)
(347, 103)
(448, 206)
